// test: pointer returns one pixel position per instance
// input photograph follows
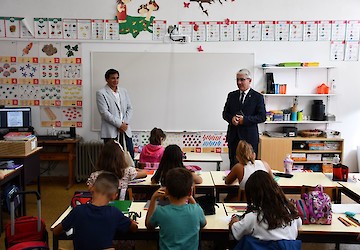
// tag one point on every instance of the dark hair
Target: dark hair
(181, 182)
(107, 183)
(172, 158)
(156, 135)
(111, 72)
(111, 159)
(266, 197)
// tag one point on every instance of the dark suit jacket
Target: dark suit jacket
(254, 112)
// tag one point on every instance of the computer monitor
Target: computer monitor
(15, 117)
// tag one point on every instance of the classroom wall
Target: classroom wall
(345, 105)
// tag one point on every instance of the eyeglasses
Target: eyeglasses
(241, 79)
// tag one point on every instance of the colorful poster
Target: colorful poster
(111, 30)
(97, 29)
(70, 28)
(282, 30)
(55, 28)
(324, 30)
(186, 28)
(12, 27)
(41, 27)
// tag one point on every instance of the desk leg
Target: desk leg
(72, 157)
(218, 166)
(55, 242)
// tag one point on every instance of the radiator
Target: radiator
(87, 154)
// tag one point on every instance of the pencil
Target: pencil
(350, 221)
(225, 209)
(353, 220)
(343, 221)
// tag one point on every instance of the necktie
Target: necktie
(242, 95)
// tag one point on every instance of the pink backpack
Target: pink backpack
(318, 204)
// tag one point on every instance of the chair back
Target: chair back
(251, 243)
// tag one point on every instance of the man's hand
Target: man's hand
(123, 127)
(235, 120)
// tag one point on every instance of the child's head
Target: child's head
(245, 153)
(172, 158)
(267, 197)
(106, 184)
(180, 184)
(157, 136)
(112, 159)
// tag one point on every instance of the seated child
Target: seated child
(112, 160)
(181, 220)
(246, 165)
(96, 223)
(153, 151)
(270, 215)
(172, 158)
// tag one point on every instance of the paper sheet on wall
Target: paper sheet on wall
(254, 30)
(111, 30)
(268, 31)
(41, 27)
(70, 28)
(24, 29)
(55, 28)
(199, 32)
(310, 30)
(159, 30)
(352, 30)
(186, 28)
(84, 29)
(97, 29)
(324, 30)
(338, 29)
(2, 27)
(212, 31)
(352, 51)
(337, 49)
(282, 29)
(240, 30)
(296, 31)
(227, 31)
(12, 27)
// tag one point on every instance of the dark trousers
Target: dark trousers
(232, 152)
(128, 140)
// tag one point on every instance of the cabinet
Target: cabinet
(308, 152)
(301, 87)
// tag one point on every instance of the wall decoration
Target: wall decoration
(50, 95)
(2, 27)
(97, 29)
(352, 51)
(199, 32)
(28, 73)
(282, 29)
(50, 116)
(71, 95)
(324, 30)
(24, 29)
(29, 94)
(49, 52)
(71, 117)
(227, 31)
(268, 31)
(201, 4)
(186, 28)
(310, 30)
(338, 29)
(70, 50)
(8, 73)
(212, 31)
(50, 73)
(12, 27)
(8, 94)
(296, 31)
(41, 27)
(337, 50)
(70, 28)
(254, 30)
(240, 30)
(352, 30)
(121, 10)
(84, 29)
(111, 30)
(135, 24)
(159, 30)
(55, 28)
(200, 49)
(71, 74)
(186, 5)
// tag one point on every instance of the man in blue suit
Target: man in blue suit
(243, 110)
(115, 110)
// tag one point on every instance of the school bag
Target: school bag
(207, 203)
(302, 211)
(80, 198)
(318, 204)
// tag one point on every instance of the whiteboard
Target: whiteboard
(172, 91)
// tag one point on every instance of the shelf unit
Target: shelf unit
(296, 96)
(274, 150)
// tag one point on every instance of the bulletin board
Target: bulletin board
(173, 91)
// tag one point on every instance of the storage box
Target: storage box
(316, 145)
(332, 145)
(298, 156)
(290, 131)
(327, 168)
(313, 157)
(17, 148)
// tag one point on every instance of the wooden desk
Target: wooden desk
(351, 188)
(54, 151)
(219, 183)
(31, 165)
(216, 228)
(7, 176)
(198, 157)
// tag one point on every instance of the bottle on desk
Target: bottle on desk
(288, 164)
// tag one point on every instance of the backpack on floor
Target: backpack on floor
(319, 206)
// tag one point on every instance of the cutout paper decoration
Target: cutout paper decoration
(121, 10)
(200, 49)
(186, 5)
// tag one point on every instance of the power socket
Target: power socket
(176, 39)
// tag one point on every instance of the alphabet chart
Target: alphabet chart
(282, 29)
(159, 30)
(254, 30)
(352, 30)
(337, 49)
(324, 30)
(199, 32)
(240, 31)
(268, 31)
(212, 31)
(111, 30)
(352, 51)
(296, 31)
(227, 31)
(310, 30)
(338, 29)
(97, 29)
(186, 28)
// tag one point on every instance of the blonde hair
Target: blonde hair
(245, 153)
